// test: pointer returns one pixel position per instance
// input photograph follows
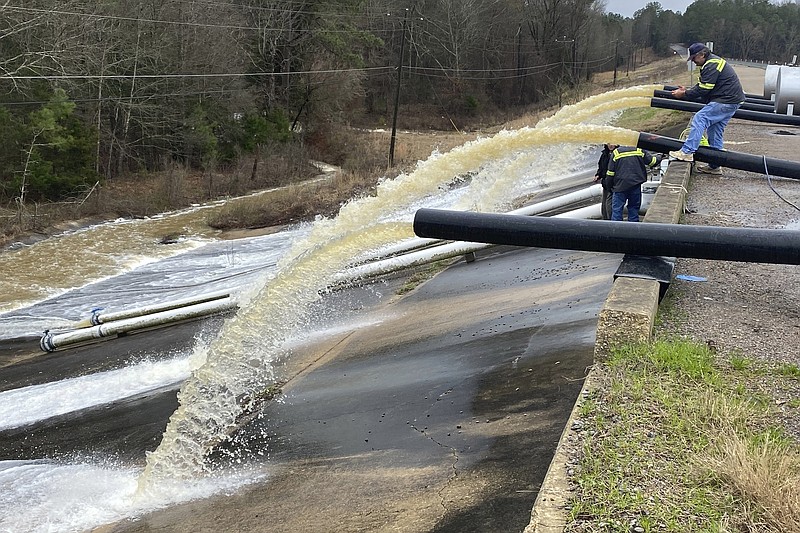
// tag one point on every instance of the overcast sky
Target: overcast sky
(627, 8)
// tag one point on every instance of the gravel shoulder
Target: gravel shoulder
(747, 310)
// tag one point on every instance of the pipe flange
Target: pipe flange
(46, 342)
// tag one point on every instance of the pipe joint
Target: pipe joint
(46, 342)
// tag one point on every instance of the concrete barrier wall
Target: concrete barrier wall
(627, 316)
(630, 309)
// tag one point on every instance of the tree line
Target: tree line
(93, 90)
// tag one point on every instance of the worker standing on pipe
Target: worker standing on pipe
(600, 176)
(627, 170)
(721, 91)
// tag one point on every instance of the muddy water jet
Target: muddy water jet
(593, 104)
(239, 360)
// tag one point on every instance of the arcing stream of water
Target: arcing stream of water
(239, 362)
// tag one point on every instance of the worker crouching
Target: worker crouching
(627, 170)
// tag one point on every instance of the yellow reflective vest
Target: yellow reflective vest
(628, 167)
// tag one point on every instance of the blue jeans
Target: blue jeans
(712, 119)
(633, 197)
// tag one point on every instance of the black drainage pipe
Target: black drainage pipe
(761, 106)
(753, 98)
(745, 114)
(752, 245)
(724, 158)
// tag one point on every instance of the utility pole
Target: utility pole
(616, 48)
(397, 89)
(575, 69)
(564, 40)
(520, 77)
(563, 66)
(628, 63)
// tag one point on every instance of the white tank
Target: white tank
(787, 92)
(771, 81)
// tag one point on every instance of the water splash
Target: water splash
(530, 169)
(238, 364)
(53, 497)
(240, 361)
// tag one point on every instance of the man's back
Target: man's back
(718, 83)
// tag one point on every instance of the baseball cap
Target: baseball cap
(695, 49)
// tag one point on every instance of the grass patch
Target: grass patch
(740, 362)
(789, 371)
(671, 442)
(650, 119)
(668, 310)
(294, 203)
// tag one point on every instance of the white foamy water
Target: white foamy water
(28, 405)
(20, 407)
(47, 497)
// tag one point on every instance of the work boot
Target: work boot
(681, 156)
(706, 169)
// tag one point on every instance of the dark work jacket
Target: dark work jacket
(628, 167)
(602, 166)
(718, 83)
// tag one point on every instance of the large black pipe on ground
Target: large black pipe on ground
(764, 107)
(724, 158)
(751, 245)
(745, 114)
(753, 98)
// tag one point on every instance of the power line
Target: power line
(287, 6)
(514, 69)
(154, 21)
(126, 98)
(379, 15)
(420, 70)
(128, 19)
(535, 68)
(173, 76)
(491, 78)
(429, 72)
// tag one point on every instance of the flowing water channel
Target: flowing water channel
(238, 363)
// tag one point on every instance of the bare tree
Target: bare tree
(750, 37)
